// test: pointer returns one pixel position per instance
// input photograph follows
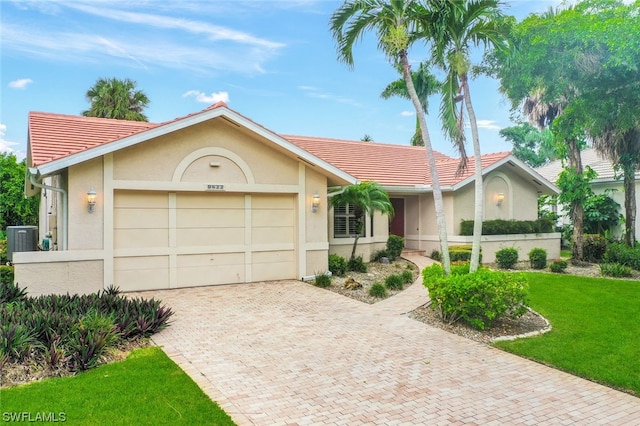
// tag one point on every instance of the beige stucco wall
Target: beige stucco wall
(85, 229)
(520, 199)
(163, 154)
(59, 272)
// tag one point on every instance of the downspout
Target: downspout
(65, 221)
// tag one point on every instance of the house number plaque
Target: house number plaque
(214, 187)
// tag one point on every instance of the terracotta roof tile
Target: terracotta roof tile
(388, 164)
(55, 136)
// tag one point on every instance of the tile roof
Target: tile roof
(55, 136)
(389, 164)
(591, 158)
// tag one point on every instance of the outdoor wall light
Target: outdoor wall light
(315, 203)
(499, 198)
(91, 199)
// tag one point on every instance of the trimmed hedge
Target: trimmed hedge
(507, 257)
(502, 227)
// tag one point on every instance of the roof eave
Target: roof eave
(535, 176)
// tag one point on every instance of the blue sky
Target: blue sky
(272, 61)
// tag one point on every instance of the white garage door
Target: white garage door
(165, 240)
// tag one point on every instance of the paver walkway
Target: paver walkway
(286, 352)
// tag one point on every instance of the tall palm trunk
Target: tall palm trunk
(479, 193)
(629, 206)
(435, 180)
(577, 210)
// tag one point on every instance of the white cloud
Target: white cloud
(6, 146)
(20, 84)
(221, 96)
(408, 113)
(488, 124)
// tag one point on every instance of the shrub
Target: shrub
(620, 253)
(376, 256)
(507, 257)
(337, 265)
(394, 282)
(407, 276)
(478, 298)
(322, 280)
(538, 258)
(594, 247)
(501, 226)
(378, 290)
(435, 255)
(462, 252)
(558, 266)
(357, 265)
(615, 270)
(395, 244)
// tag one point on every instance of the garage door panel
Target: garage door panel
(272, 217)
(282, 202)
(211, 269)
(210, 218)
(272, 235)
(273, 265)
(140, 238)
(141, 273)
(210, 201)
(127, 218)
(141, 199)
(210, 237)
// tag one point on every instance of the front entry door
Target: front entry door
(396, 225)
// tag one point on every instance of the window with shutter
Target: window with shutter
(345, 222)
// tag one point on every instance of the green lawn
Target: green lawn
(596, 328)
(146, 389)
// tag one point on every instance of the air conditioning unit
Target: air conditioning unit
(21, 238)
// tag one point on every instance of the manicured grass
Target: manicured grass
(566, 254)
(595, 331)
(146, 389)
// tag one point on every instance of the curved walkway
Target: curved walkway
(288, 353)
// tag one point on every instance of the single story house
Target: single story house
(605, 181)
(215, 198)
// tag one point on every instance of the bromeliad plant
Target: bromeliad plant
(72, 331)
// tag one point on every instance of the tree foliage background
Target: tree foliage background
(15, 209)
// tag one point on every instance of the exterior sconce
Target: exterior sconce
(499, 198)
(315, 203)
(91, 199)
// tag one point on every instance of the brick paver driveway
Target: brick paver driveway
(288, 353)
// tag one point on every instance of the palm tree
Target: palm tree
(395, 23)
(365, 198)
(453, 27)
(622, 148)
(542, 113)
(426, 85)
(117, 99)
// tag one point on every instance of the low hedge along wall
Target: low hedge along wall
(501, 227)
